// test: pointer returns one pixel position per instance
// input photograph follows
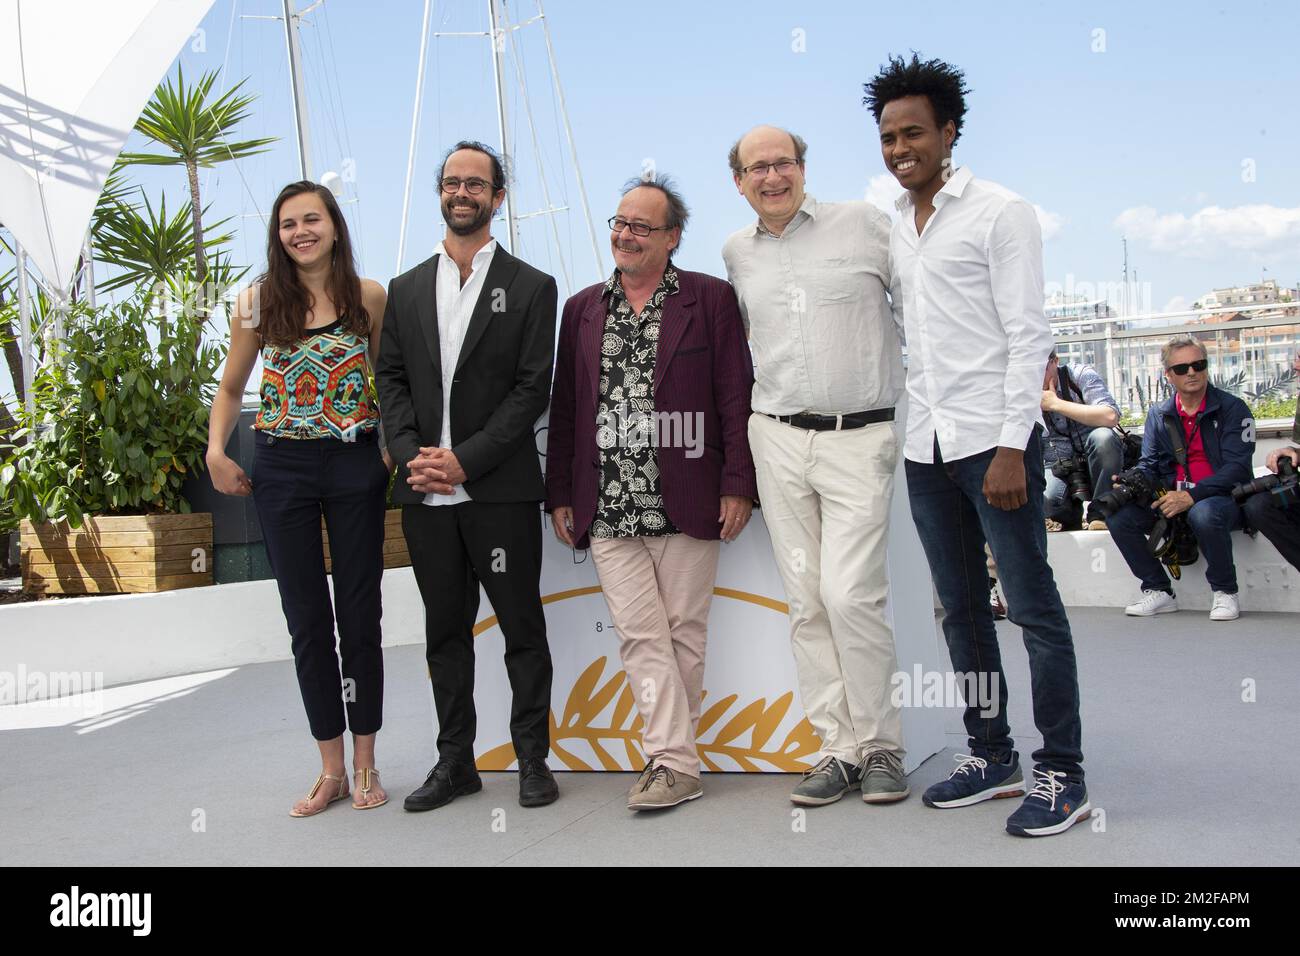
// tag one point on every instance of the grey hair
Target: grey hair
(800, 151)
(678, 213)
(1180, 342)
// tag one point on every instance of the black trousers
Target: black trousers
(295, 481)
(1280, 525)
(453, 549)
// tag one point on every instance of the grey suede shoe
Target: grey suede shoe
(641, 779)
(882, 778)
(661, 788)
(826, 783)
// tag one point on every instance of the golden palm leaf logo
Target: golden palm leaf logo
(745, 738)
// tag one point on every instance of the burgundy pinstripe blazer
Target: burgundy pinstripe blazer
(702, 365)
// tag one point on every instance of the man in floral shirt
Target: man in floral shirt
(648, 461)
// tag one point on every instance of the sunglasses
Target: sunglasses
(1181, 368)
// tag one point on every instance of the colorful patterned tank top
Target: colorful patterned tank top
(319, 387)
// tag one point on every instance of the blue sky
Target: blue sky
(1177, 130)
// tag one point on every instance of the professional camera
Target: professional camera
(1283, 485)
(1131, 486)
(1074, 473)
(1174, 543)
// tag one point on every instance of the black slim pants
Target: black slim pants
(453, 549)
(1280, 525)
(295, 481)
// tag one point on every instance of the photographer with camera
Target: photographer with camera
(1082, 449)
(1196, 446)
(1270, 502)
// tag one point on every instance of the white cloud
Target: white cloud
(883, 190)
(1255, 228)
(1177, 304)
(1048, 222)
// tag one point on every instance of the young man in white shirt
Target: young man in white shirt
(966, 268)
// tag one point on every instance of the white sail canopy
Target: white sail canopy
(74, 76)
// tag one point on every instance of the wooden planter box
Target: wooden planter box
(395, 553)
(117, 555)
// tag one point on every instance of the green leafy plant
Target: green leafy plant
(146, 246)
(1272, 408)
(122, 408)
(195, 129)
(119, 425)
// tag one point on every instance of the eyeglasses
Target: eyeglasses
(759, 170)
(1181, 368)
(472, 186)
(618, 224)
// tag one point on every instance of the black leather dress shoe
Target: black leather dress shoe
(537, 786)
(448, 780)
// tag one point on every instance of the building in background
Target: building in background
(1251, 334)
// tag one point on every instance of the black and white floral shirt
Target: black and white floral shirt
(630, 501)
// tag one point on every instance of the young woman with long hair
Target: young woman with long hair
(316, 325)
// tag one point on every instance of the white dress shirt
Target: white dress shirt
(815, 305)
(970, 287)
(455, 306)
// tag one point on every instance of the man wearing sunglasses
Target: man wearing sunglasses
(1197, 444)
(647, 464)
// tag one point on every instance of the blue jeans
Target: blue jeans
(1105, 453)
(1213, 520)
(954, 521)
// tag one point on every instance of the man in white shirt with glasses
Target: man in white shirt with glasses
(812, 280)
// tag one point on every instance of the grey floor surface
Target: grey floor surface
(1185, 770)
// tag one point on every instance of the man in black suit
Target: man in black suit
(464, 373)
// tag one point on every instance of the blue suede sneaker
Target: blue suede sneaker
(1054, 805)
(977, 779)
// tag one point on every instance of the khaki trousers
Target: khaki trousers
(825, 499)
(659, 590)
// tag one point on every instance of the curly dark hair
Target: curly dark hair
(941, 83)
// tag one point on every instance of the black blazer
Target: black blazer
(500, 385)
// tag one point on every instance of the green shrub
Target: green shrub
(119, 422)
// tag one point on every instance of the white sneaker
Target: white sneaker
(1225, 607)
(1155, 602)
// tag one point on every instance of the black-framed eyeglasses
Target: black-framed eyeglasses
(472, 186)
(618, 224)
(759, 170)
(1200, 365)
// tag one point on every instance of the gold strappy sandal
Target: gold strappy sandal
(343, 792)
(365, 773)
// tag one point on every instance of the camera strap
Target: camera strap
(1175, 429)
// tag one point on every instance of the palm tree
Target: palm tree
(195, 131)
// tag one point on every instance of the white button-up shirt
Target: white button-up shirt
(970, 288)
(455, 306)
(814, 302)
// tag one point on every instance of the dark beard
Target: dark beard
(481, 218)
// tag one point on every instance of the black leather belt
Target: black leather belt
(831, 423)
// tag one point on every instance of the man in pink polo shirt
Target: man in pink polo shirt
(1197, 444)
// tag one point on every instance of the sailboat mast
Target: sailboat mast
(498, 47)
(296, 88)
